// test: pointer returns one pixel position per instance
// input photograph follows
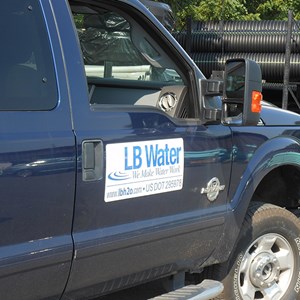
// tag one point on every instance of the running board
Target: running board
(206, 290)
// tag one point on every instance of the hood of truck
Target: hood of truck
(274, 116)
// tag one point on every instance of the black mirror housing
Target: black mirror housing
(242, 92)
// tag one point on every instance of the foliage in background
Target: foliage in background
(204, 10)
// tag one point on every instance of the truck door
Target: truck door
(152, 180)
(37, 160)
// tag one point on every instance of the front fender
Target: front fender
(272, 153)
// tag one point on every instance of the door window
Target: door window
(109, 50)
(126, 65)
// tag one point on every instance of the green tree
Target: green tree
(205, 10)
(274, 9)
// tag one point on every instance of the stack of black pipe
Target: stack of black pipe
(212, 43)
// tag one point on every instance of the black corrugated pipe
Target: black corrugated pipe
(265, 25)
(278, 86)
(272, 64)
(241, 36)
(266, 41)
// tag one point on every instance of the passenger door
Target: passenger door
(152, 180)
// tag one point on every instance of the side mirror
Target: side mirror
(242, 92)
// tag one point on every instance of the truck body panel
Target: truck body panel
(110, 180)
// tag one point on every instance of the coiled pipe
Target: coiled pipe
(272, 64)
(264, 25)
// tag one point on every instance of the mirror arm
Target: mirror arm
(215, 84)
(211, 88)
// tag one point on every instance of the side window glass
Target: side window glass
(109, 50)
(27, 76)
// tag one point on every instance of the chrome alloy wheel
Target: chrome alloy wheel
(266, 269)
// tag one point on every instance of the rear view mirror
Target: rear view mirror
(242, 92)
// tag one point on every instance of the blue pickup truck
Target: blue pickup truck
(120, 163)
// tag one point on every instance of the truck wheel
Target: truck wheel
(265, 263)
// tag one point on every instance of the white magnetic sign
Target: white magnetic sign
(144, 168)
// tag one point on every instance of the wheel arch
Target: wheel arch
(279, 156)
(275, 161)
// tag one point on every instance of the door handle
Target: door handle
(92, 160)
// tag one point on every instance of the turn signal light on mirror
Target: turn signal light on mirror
(256, 101)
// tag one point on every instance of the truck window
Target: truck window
(109, 51)
(125, 65)
(27, 74)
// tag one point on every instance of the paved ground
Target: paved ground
(142, 292)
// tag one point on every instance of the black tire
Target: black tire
(265, 263)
